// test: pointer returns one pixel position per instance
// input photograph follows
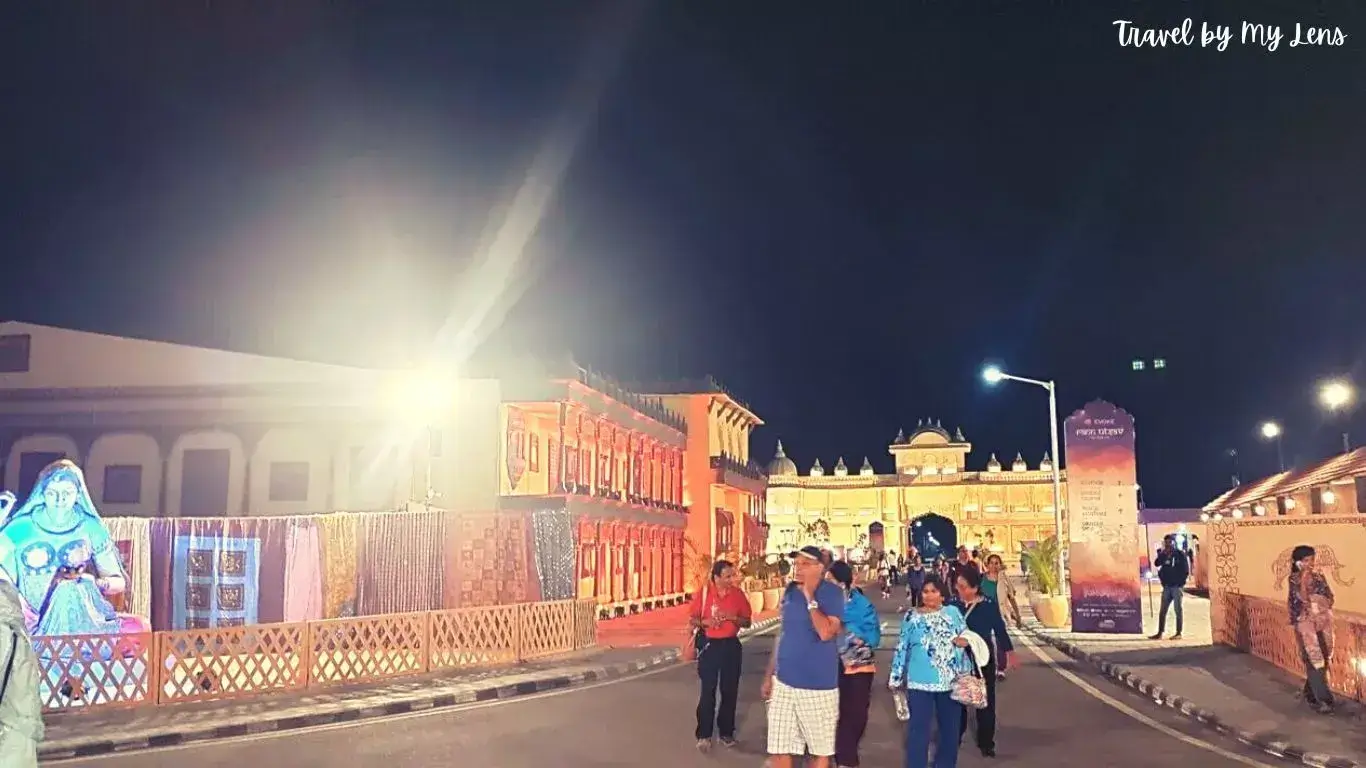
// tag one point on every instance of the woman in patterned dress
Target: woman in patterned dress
(1310, 605)
(928, 659)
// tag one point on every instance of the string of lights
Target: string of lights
(555, 547)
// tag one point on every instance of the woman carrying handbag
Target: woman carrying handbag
(983, 618)
(719, 611)
(928, 662)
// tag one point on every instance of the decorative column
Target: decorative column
(670, 542)
(666, 473)
(630, 479)
(678, 562)
(601, 585)
(612, 458)
(556, 481)
(576, 476)
(678, 476)
(591, 459)
(651, 465)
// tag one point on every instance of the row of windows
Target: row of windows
(288, 482)
(204, 478)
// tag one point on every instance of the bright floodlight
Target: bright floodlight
(1271, 430)
(992, 374)
(419, 397)
(1335, 394)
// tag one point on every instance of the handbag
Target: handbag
(697, 638)
(969, 689)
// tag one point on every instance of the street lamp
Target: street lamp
(1337, 395)
(1272, 431)
(994, 375)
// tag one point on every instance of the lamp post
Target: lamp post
(1272, 431)
(994, 375)
(1337, 395)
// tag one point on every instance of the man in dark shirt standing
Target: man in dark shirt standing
(1172, 570)
(956, 568)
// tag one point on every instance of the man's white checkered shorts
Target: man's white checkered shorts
(802, 721)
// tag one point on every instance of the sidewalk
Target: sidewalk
(1233, 692)
(665, 627)
(86, 734)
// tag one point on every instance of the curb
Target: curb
(1270, 743)
(349, 712)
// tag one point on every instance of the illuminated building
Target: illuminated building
(723, 488)
(931, 496)
(614, 460)
(1336, 485)
(167, 430)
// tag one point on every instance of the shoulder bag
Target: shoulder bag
(969, 689)
(697, 638)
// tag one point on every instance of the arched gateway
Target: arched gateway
(933, 535)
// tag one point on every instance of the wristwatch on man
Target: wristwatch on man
(813, 605)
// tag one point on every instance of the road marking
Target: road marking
(211, 743)
(1101, 696)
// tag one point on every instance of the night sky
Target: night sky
(841, 210)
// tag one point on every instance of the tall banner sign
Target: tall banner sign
(1102, 492)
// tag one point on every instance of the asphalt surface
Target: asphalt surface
(1045, 720)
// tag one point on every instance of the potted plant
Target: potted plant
(753, 572)
(1050, 606)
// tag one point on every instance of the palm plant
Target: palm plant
(1042, 564)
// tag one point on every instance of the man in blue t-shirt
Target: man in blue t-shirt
(802, 682)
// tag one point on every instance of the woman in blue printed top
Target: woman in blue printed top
(928, 659)
(983, 616)
(863, 634)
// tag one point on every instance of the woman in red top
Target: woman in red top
(720, 610)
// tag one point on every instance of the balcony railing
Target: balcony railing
(750, 469)
(650, 406)
(707, 384)
(603, 492)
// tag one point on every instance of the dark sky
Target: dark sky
(839, 209)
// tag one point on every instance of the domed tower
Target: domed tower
(867, 469)
(841, 469)
(930, 450)
(1019, 464)
(993, 464)
(817, 470)
(782, 466)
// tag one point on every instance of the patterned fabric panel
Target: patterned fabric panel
(216, 584)
(400, 564)
(554, 548)
(132, 537)
(489, 562)
(341, 556)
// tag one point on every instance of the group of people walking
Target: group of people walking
(820, 679)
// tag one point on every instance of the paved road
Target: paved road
(1047, 720)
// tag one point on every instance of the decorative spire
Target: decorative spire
(780, 454)
(840, 468)
(1019, 464)
(1047, 463)
(867, 468)
(938, 424)
(993, 465)
(816, 469)
(919, 423)
(900, 436)
(958, 435)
